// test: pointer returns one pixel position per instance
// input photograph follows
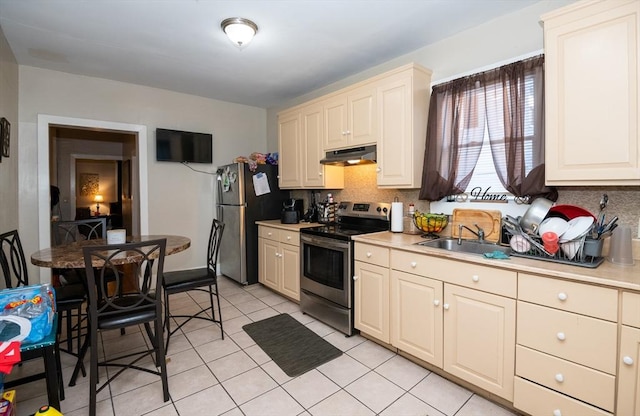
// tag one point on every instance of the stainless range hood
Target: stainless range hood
(350, 157)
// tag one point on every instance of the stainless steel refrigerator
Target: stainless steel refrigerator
(241, 202)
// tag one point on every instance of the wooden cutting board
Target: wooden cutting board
(489, 220)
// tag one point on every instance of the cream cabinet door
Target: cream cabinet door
(312, 152)
(362, 116)
(335, 122)
(416, 316)
(269, 263)
(591, 94)
(629, 372)
(289, 141)
(479, 338)
(403, 105)
(371, 300)
(290, 271)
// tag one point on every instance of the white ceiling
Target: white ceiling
(178, 45)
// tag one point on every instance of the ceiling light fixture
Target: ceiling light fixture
(239, 30)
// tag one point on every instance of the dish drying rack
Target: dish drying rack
(538, 252)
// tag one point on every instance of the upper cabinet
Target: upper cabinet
(289, 143)
(592, 89)
(351, 119)
(389, 110)
(403, 106)
(300, 136)
(314, 174)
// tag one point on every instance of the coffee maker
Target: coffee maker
(292, 210)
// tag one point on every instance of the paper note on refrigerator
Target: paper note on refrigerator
(261, 184)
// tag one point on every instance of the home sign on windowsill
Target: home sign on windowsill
(479, 194)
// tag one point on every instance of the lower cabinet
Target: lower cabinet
(371, 300)
(629, 364)
(414, 306)
(479, 338)
(567, 347)
(416, 316)
(279, 260)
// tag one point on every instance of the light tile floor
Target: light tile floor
(211, 376)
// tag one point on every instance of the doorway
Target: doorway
(137, 155)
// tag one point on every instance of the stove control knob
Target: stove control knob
(378, 209)
(384, 210)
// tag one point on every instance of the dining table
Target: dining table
(70, 256)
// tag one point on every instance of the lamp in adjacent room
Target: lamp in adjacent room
(97, 199)
(240, 30)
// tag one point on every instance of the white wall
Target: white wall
(180, 200)
(498, 41)
(9, 166)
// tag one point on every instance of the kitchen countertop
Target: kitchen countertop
(290, 227)
(607, 274)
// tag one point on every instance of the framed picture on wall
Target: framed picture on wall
(126, 179)
(5, 136)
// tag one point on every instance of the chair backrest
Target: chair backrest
(217, 227)
(65, 232)
(14, 265)
(108, 266)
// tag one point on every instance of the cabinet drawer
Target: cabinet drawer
(577, 381)
(537, 400)
(269, 233)
(413, 263)
(487, 279)
(631, 309)
(581, 339)
(289, 237)
(595, 301)
(369, 253)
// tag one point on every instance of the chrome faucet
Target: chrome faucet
(479, 233)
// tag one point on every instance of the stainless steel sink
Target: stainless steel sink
(467, 246)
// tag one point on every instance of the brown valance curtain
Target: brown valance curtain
(510, 99)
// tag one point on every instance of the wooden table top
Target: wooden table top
(70, 256)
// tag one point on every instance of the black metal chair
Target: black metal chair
(72, 294)
(204, 279)
(14, 269)
(113, 309)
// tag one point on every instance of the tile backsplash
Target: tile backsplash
(360, 185)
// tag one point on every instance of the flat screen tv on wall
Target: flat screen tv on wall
(183, 146)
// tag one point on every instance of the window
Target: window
(486, 130)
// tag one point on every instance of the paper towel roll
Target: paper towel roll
(116, 236)
(397, 212)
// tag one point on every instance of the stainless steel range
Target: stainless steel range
(327, 262)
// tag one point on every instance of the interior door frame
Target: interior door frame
(139, 166)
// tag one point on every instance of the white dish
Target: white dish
(520, 244)
(555, 225)
(577, 228)
(571, 248)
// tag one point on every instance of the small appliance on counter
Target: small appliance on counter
(292, 211)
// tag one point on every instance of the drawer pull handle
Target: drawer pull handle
(562, 296)
(557, 412)
(378, 170)
(559, 378)
(436, 302)
(288, 237)
(269, 234)
(475, 278)
(561, 336)
(355, 277)
(368, 254)
(627, 360)
(445, 306)
(414, 264)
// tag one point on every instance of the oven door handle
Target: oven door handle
(330, 243)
